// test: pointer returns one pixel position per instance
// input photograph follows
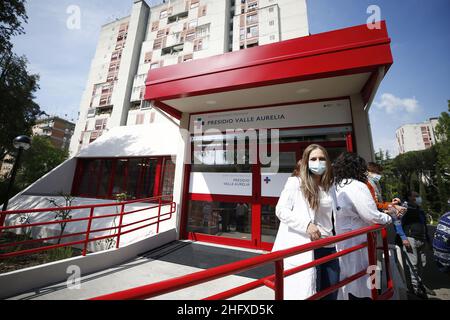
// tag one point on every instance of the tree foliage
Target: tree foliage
(12, 15)
(426, 172)
(42, 157)
(18, 111)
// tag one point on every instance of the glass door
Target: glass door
(232, 196)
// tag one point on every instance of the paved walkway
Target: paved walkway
(172, 260)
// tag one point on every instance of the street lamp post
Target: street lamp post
(21, 143)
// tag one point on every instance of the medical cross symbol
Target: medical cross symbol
(267, 180)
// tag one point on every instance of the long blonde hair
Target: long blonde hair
(308, 185)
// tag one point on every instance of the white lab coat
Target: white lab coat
(357, 210)
(295, 214)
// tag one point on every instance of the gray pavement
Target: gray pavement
(172, 260)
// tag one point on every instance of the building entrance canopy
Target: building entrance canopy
(332, 64)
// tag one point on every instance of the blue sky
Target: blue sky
(417, 86)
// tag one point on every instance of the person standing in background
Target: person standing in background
(414, 225)
(357, 210)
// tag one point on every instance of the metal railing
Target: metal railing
(275, 281)
(86, 236)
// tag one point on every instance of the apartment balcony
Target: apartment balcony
(177, 17)
(174, 49)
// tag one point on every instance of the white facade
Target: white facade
(417, 136)
(259, 22)
(170, 33)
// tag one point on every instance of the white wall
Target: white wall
(17, 282)
(129, 64)
(361, 125)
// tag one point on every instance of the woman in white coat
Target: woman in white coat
(305, 210)
(357, 210)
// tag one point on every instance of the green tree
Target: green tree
(443, 158)
(12, 14)
(18, 111)
(42, 157)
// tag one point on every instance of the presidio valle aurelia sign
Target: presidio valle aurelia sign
(296, 115)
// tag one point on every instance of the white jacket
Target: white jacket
(295, 214)
(357, 210)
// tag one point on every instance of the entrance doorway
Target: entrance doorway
(233, 202)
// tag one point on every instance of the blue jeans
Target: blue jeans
(327, 273)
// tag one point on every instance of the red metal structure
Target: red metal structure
(275, 281)
(86, 237)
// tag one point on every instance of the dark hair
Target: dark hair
(349, 166)
(374, 167)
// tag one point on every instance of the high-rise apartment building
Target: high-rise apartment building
(417, 136)
(58, 130)
(165, 34)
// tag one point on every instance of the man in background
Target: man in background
(414, 240)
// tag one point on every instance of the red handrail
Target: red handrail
(274, 281)
(161, 201)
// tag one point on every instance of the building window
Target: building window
(177, 17)
(192, 24)
(157, 44)
(93, 136)
(172, 50)
(140, 118)
(163, 14)
(152, 117)
(100, 124)
(252, 6)
(252, 32)
(148, 57)
(199, 44)
(190, 36)
(188, 57)
(253, 18)
(168, 177)
(203, 30)
(155, 25)
(202, 11)
(105, 178)
(194, 4)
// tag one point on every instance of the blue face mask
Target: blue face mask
(419, 201)
(317, 167)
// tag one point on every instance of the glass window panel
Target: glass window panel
(269, 223)
(120, 174)
(226, 219)
(134, 170)
(168, 177)
(88, 178)
(105, 178)
(148, 178)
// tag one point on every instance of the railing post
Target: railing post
(119, 230)
(372, 249)
(279, 280)
(389, 280)
(159, 213)
(86, 241)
